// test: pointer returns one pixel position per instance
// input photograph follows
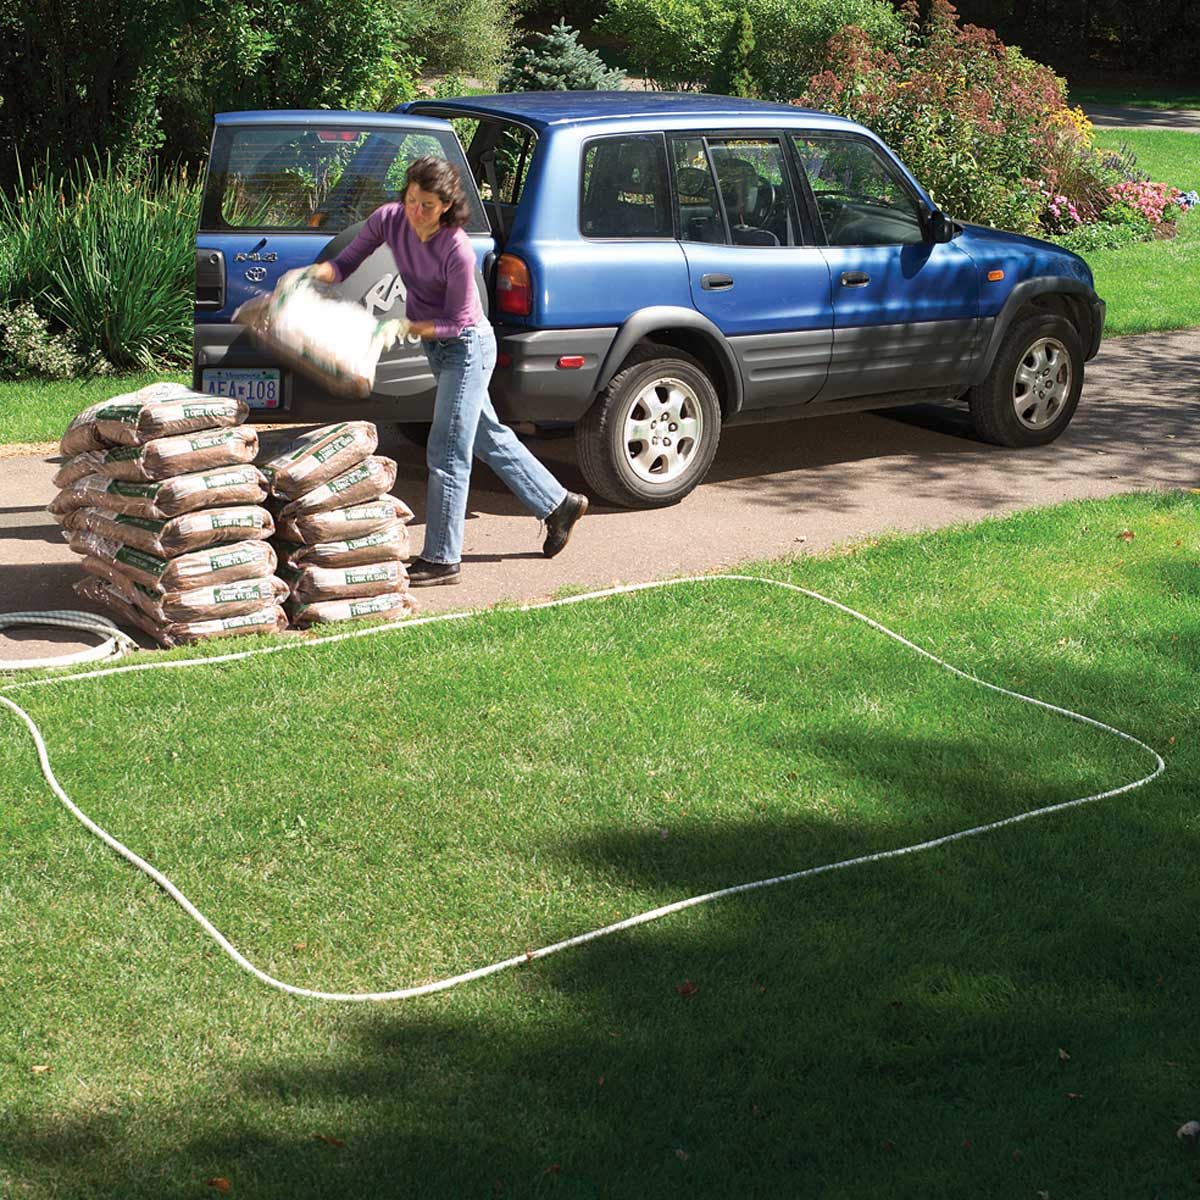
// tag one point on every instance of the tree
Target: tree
(733, 75)
(556, 62)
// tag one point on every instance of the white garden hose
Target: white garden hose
(114, 642)
(628, 923)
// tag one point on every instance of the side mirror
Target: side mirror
(939, 227)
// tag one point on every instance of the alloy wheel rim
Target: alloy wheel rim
(662, 431)
(1042, 383)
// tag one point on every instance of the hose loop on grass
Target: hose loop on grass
(114, 643)
(655, 914)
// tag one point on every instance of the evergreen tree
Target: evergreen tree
(732, 75)
(556, 62)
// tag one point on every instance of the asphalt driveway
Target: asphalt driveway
(774, 490)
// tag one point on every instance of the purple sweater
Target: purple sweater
(439, 274)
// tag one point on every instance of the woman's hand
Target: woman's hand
(423, 329)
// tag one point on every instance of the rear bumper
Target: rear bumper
(529, 385)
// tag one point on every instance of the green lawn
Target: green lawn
(1136, 96)
(1007, 1015)
(1155, 285)
(38, 410)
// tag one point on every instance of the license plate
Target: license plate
(259, 387)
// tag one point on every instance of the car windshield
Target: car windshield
(307, 177)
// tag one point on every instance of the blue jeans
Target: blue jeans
(464, 421)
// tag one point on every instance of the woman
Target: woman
(436, 260)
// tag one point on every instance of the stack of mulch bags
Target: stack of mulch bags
(341, 537)
(161, 497)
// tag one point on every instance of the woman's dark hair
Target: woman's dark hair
(433, 174)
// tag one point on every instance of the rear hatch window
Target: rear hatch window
(314, 178)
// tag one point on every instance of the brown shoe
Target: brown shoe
(561, 521)
(431, 574)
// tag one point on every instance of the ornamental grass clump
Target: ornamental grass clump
(104, 253)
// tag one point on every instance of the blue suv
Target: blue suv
(657, 266)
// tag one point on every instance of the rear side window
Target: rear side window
(624, 191)
(735, 190)
(300, 178)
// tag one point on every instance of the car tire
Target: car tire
(1032, 390)
(652, 433)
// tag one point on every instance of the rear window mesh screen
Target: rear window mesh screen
(311, 178)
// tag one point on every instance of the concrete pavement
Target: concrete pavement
(774, 490)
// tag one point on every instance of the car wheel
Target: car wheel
(651, 435)
(1030, 395)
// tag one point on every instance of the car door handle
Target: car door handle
(855, 279)
(716, 283)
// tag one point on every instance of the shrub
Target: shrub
(1157, 202)
(29, 348)
(105, 252)
(984, 128)
(556, 62)
(1118, 225)
(734, 75)
(678, 43)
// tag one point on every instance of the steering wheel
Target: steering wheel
(764, 202)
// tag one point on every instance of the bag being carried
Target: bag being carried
(335, 342)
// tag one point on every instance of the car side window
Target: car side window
(755, 191)
(860, 199)
(623, 191)
(733, 190)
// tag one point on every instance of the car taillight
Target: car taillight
(514, 292)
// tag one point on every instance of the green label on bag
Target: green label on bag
(209, 440)
(361, 608)
(232, 522)
(124, 454)
(256, 618)
(149, 563)
(230, 558)
(145, 491)
(307, 446)
(141, 523)
(327, 452)
(235, 592)
(127, 414)
(219, 479)
(205, 410)
(370, 574)
(371, 539)
(367, 512)
(342, 482)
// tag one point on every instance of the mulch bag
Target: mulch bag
(309, 584)
(76, 467)
(372, 478)
(201, 568)
(268, 619)
(177, 535)
(233, 599)
(339, 524)
(243, 484)
(388, 605)
(124, 422)
(164, 458)
(335, 342)
(389, 543)
(317, 457)
(82, 433)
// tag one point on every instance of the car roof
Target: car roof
(543, 109)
